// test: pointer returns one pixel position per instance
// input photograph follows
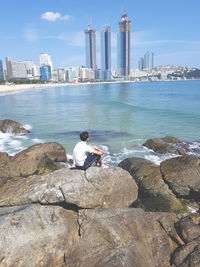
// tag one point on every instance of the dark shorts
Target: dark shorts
(91, 158)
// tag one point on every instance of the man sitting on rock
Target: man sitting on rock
(85, 155)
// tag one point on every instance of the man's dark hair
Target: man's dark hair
(84, 136)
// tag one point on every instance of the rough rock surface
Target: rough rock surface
(37, 159)
(189, 227)
(36, 235)
(189, 253)
(95, 188)
(154, 193)
(183, 175)
(10, 126)
(4, 158)
(168, 144)
(123, 237)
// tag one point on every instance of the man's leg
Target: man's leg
(91, 158)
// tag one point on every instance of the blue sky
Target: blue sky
(170, 29)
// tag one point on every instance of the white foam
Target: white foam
(194, 145)
(192, 210)
(37, 140)
(28, 127)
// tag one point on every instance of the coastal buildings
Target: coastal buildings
(105, 72)
(1, 70)
(45, 73)
(90, 46)
(124, 46)
(146, 62)
(45, 60)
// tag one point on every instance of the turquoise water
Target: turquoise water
(120, 117)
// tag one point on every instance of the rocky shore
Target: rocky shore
(137, 214)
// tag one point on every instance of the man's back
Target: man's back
(80, 153)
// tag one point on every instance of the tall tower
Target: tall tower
(106, 53)
(124, 46)
(90, 46)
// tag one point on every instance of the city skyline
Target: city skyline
(170, 30)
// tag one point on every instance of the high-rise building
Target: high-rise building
(90, 46)
(61, 72)
(141, 64)
(8, 68)
(30, 68)
(146, 62)
(106, 54)
(19, 70)
(151, 60)
(45, 60)
(124, 46)
(1, 70)
(45, 73)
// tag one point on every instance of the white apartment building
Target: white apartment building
(86, 74)
(45, 59)
(19, 70)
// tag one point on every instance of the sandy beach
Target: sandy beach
(19, 87)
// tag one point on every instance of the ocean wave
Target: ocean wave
(37, 140)
(27, 127)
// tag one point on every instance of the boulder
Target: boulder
(95, 188)
(189, 227)
(168, 144)
(154, 193)
(10, 126)
(187, 255)
(37, 159)
(123, 237)
(36, 235)
(182, 174)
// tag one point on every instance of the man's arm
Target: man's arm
(97, 151)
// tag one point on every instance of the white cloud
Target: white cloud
(51, 16)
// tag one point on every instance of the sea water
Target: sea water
(119, 117)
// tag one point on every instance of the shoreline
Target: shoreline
(21, 87)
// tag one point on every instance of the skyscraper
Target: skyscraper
(90, 46)
(106, 54)
(45, 72)
(9, 68)
(45, 60)
(1, 70)
(124, 46)
(141, 63)
(146, 62)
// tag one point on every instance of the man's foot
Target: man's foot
(104, 166)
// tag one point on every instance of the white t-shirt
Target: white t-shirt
(80, 153)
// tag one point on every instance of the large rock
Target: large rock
(37, 159)
(10, 126)
(95, 188)
(123, 237)
(182, 174)
(154, 193)
(167, 144)
(36, 235)
(4, 158)
(189, 227)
